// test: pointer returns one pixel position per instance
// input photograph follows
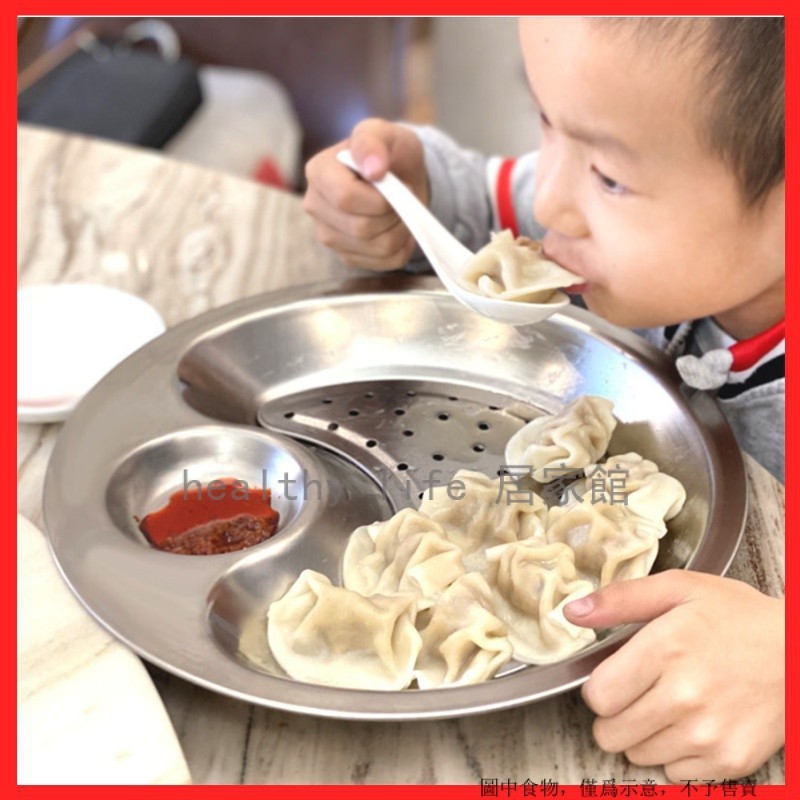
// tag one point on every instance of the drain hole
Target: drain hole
(411, 394)
(327, 401)
(478, 448)
(402, 466)
(484, 426)
(438, 457)
(333, 426)
(399, 411)
(452, 398)
(408, 433)
(289, 414)
(494, 408)
(444, 417)
(371, 443)
(369, 395)
(353, 412)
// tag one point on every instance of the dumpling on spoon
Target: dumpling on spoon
(515, 269)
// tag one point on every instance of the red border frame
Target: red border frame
(407, 7)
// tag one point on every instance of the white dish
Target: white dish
(71, 335)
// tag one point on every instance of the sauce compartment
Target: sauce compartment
(195, 468)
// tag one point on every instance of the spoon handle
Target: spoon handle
(439, 245)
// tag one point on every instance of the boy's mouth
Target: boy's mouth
(576, 288)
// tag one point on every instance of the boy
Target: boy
(660, 182)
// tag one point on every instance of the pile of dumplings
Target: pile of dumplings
(447, 594)
(515, 269)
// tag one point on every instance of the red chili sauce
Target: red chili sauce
(223, 516)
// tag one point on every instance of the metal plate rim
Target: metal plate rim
(406, 705)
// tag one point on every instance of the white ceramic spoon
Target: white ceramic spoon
(447, 255)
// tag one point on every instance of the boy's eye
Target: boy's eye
(609, 184)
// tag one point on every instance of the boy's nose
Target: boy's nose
(556, 203)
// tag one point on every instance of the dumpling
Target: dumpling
(533, 583)
(637, 483)
(515, 269)
(489, 511)
(572, 439)
(406, 553)
(610, 542)
(464, 641)
(320, 633)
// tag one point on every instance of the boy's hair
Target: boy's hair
(741, 80)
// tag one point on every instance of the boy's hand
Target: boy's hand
(700, 689)
(352, 217)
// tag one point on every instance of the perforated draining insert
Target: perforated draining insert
(408, 435)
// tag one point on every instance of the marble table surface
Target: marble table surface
(187, 240)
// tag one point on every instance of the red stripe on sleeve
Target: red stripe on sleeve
(749, 352)
(505, 203)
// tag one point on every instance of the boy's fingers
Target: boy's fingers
(663, 747)
(625, 676)
(391, 251)
(378, 146)
(362, 227)
(382, 264)
(371, 144)
(637, 600)
(342, 190)
(649, 712)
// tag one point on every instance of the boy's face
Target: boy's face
(632, 201)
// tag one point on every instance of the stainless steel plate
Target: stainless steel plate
(350, 398)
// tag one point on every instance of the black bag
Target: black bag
(114, 91)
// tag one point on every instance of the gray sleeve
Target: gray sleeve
(458, 193)
(757, 417)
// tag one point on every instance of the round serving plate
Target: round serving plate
(347, 400)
